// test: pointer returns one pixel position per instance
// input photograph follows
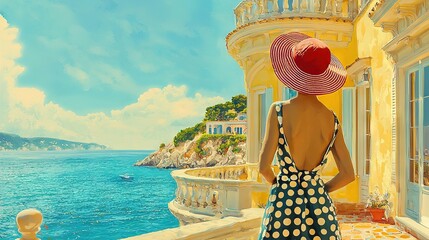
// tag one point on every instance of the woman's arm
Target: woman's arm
(341, 155)
(269, 145)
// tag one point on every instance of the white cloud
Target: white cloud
(155, 117)
(79, 75)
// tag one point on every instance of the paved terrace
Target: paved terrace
(355, 224)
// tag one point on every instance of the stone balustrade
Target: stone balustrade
(249, 11)
(237, 172)
(216, 191)
(29, 222)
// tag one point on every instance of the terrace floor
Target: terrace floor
(355, 223)
(371, 230)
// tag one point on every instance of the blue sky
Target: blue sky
(103, 57)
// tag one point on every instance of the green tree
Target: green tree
(239, 102)
(226, 111)
(189, 133)
(218, 112)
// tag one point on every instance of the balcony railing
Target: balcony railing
(216, 191)
(238, 172)
(249, 11)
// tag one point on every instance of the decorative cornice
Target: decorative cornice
(410, 35)
(390, 27)
(376, 7)
(407, 11)
(396, 16)
(358, 65)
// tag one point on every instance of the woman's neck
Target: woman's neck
(307, 97)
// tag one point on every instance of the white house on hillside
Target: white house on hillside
(236, 126)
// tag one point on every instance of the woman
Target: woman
(302, 131)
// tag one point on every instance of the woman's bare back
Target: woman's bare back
(309, 127)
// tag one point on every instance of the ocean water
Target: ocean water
(82, 196)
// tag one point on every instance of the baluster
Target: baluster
(185, 193)
(215, 197)
(215, 204)
(333, 7)
(29, 222)
(260, 7)
(266, 10)
(182, 192)
(238, 20)
(205, 191)
(317, 6)
(197, 194)
(304, 6)
(189, 192)
(178, 191)
(286, 6)
(193, 195)
(328, 6)
(353, 9)
(295, 6)
(247, 13)
(275, 9)
(339, 6)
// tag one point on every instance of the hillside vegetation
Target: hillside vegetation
(15, 142)
(192, 147)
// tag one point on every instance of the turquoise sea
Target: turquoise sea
(82, 196)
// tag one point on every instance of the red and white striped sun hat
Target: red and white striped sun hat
(306, 64)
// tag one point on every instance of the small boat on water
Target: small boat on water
(126, 177)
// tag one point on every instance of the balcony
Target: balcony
(250, 11)
(206, 194)
(259, 22)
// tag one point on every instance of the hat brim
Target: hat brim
(286, 70)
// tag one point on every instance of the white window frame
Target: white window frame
(363, 85)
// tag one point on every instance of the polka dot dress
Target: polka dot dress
(298, 206)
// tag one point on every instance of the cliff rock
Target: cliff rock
(186, 155)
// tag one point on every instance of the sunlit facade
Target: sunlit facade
(384, 105)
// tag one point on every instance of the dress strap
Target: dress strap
(334, 136)
(279, 111)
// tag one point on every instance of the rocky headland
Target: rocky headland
(203, 151)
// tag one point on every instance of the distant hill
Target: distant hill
(15, 142)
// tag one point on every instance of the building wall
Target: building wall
(370, 41)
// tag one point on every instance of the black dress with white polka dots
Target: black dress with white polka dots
(298, 206)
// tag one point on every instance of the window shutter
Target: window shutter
(347, 122)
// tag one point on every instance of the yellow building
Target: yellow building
(384, 105)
